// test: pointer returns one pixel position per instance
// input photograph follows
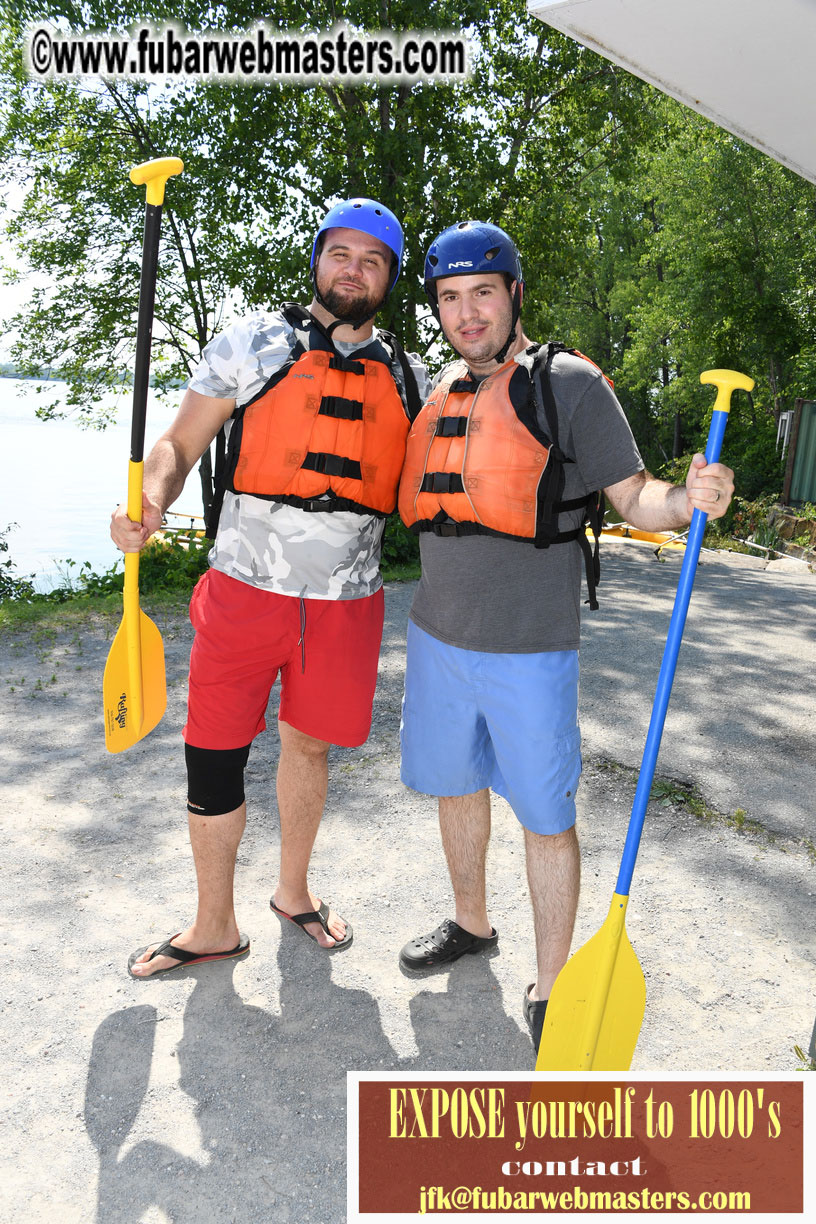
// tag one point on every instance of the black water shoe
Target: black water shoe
(443, 946)
(534, 1012)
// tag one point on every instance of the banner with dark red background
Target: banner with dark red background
(490, 1145)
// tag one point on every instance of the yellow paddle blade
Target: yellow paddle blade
(596, 1006)
(134, 693)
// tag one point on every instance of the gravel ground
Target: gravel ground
(218, 1093)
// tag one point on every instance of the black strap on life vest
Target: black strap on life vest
(442, 482)
(413, 403)
(309, 333)
(214, 510)
(337, 407)
(332, 465)
(593, 504)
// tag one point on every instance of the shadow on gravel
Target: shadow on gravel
(271, 1146)
(453, 1030)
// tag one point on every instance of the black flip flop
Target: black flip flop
(320, 915)
(183, 956)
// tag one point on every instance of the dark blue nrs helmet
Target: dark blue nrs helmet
(468, 248)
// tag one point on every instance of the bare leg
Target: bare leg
(554, 876)
(215, 841)
(303, 779)
(464, 822)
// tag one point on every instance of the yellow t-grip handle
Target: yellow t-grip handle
(155, 174)
(726, 381)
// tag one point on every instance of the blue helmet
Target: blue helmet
(369, 217)
(470, 246)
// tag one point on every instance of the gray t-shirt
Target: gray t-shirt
(506, 596)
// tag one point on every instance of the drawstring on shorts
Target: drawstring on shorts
(302, 638)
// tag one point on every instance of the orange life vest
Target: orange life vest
(326, 432)
(477, 460)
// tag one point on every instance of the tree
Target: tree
(261, 166)
(691, 251)
(651, 240)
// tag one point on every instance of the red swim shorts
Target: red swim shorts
(325, 650)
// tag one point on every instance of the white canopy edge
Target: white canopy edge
(745, 64)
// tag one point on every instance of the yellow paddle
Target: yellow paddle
(133, 688)
(596, 1006)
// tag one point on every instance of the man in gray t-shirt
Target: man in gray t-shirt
(491, 686)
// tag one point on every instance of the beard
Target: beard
(351, 307)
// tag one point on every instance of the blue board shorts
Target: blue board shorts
(472, 720)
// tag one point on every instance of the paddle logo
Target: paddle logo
(121, 712)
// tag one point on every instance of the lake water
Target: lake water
(60, 482)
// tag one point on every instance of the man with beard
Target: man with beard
(317, 406)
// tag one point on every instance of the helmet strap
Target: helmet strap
(313, 278)
(502, 353)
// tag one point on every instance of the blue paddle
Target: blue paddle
(596, 1006)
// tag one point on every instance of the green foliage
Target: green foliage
(652, 240)
(806, 1063)
(535, 115)
(169, 565)
(695, 252)
(400, 546)
(749, 519)
(87, 582)
(675, 470)
(75, 581)
(669, 792)
(12, 584)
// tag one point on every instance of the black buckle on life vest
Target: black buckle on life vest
(316, 504)
(347, 365)
(447, 528)
(469, 386)
(442, 482)
(340, 408)
(451, 427)
(332, 465)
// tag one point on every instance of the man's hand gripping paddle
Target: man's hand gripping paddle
(133, 689)
(596, 1006)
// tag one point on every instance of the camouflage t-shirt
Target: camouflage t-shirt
(269, 544)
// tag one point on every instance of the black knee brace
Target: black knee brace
(215, 779)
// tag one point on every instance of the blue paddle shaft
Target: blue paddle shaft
(667, 670)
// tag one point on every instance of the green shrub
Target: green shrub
(400, 546)
(169, 565)
(750, 518)
(12, 585)
(675, 470)
(758, 468)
